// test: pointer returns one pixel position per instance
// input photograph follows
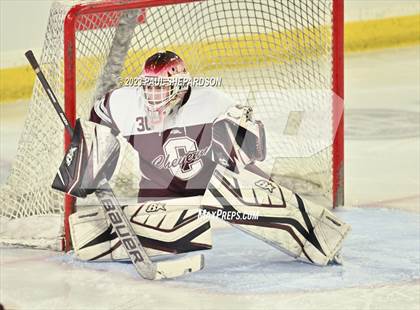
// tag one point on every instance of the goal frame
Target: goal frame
(70, 106)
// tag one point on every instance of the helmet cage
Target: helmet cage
(162, 94)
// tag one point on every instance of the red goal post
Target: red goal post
(338, 101)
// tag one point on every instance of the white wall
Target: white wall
(23, 22)
(377, 9)
(22, 27)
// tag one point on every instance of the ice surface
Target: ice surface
(373, 254)
(380, 251)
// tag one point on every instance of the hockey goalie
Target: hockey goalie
(197, 151)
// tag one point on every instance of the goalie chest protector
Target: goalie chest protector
(175, 161)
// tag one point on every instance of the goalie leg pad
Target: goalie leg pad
(330, 232)
(160, 230)
(282, 219)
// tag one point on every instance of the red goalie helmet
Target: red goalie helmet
(164, 76)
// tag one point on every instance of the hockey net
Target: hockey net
(284, 58)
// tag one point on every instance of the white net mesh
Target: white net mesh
(273, 55)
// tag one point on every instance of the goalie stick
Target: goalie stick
(135, 251)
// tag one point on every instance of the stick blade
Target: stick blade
(179, 267)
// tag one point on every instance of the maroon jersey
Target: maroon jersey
(175, 160)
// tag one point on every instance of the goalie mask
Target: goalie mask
(164, 84)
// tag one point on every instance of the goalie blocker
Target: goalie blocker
(91, 157)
